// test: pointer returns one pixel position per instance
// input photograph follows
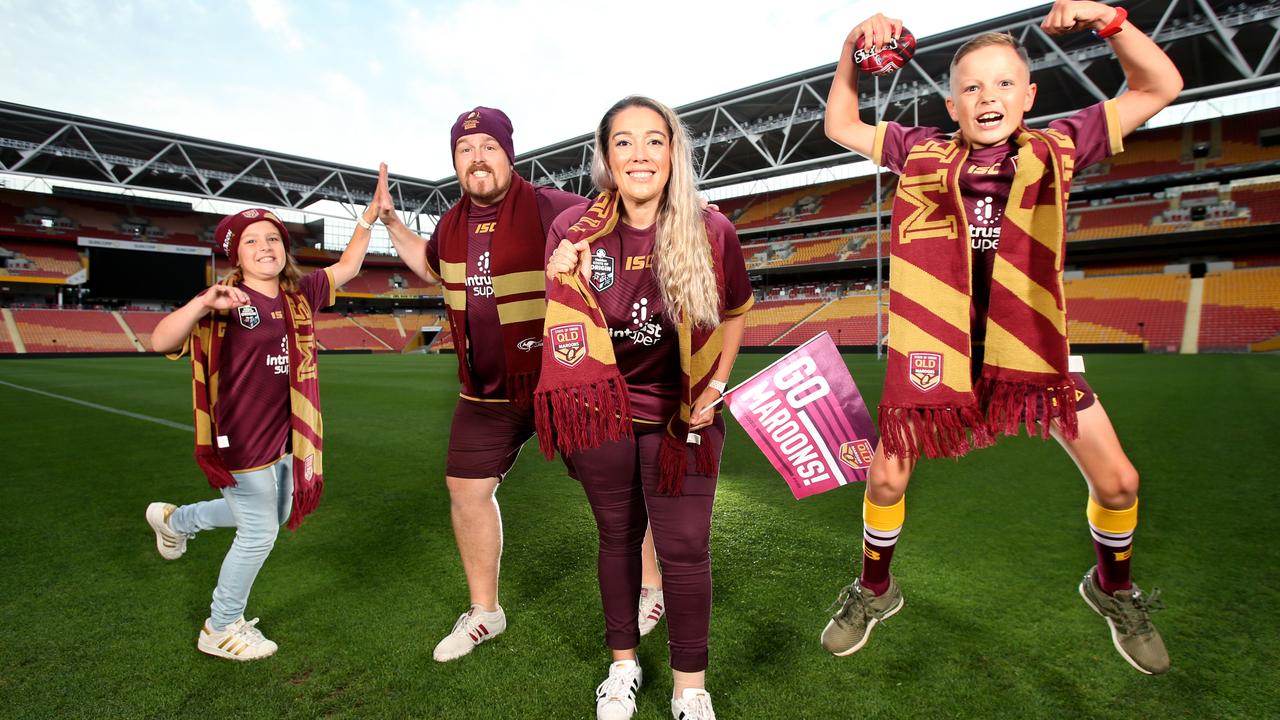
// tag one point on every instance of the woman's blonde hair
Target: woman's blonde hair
(682, 252)
(290, 275)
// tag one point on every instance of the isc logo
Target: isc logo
(639, 262)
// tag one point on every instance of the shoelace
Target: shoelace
(1137, 615)
(851, 597)
(699, 708)
(616, 687)
(248, 633)
(464, 624)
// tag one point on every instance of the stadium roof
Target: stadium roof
(767, 129)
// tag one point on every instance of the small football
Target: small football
(888, 58)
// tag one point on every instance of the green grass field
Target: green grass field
(98, 625)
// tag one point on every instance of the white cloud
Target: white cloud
(273, 18)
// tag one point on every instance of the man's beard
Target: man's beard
(485, 198)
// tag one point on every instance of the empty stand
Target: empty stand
(143, 323)
(384, 327)
(49, 260)
(1240, 307)
(71, 331)
(771, 318)
(850, 320)
(1109, 309)
(335, 332)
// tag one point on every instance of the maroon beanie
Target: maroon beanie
(229, 230)
(490, 121)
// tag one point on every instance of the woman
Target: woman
(257, 407)
(661, 285)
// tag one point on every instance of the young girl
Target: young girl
(663, 287)
(257, 407)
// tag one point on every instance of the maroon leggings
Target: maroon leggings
(621, 482)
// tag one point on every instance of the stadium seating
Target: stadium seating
(6, 343)
(142, 323)
(71, 331)
(1241, 307)
(850, 320)
(336, 332)
(48, 260)
(769, 319)
(384, 327)
(1109, 309)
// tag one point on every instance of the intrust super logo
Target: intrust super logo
(568, 343)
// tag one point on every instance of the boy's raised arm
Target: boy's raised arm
(841, 121)
(1153, 80)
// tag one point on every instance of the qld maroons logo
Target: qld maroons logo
(249, 317)
(857, 454)
(568, 343)
(925, 369)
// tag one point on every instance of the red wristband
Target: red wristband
(1114, 26)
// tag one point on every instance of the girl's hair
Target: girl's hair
(682, 252)
(290, 275)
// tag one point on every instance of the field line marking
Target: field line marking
(96, 406)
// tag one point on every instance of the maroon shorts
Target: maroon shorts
(486, 438)
(1085, 397)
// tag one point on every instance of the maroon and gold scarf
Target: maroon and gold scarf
(306, 424)
(929, 404)
(581, 401)
(518, 277)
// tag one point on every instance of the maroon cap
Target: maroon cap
(490, 121)
(229, 230)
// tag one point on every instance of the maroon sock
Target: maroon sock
(877, 551)
(1113, 566)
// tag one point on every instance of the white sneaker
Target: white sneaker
(651, 609)
(170, 544)
(472, 628)
(693, 704)
(616, 696)
(239, 641)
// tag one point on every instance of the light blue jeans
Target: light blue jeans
(256, 507)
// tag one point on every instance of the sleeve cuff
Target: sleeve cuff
(1115, 138)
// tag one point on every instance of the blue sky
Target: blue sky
(357, 83)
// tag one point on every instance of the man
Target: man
(488, 251)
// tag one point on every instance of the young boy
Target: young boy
(977, 321)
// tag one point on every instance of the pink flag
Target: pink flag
(806, 415)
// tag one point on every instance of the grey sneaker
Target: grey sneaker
(1128, 614)
(855, 613)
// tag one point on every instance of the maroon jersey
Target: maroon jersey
(484, 332)
(644, 336)
(253, 382)
(985, 181)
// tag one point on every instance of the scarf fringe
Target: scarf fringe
(673, 463)
(520, 387)
(306, 498)
(214, 468)
(908, 432)
(1011, 404)
(582, 417)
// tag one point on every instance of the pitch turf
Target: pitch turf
(97, 625)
